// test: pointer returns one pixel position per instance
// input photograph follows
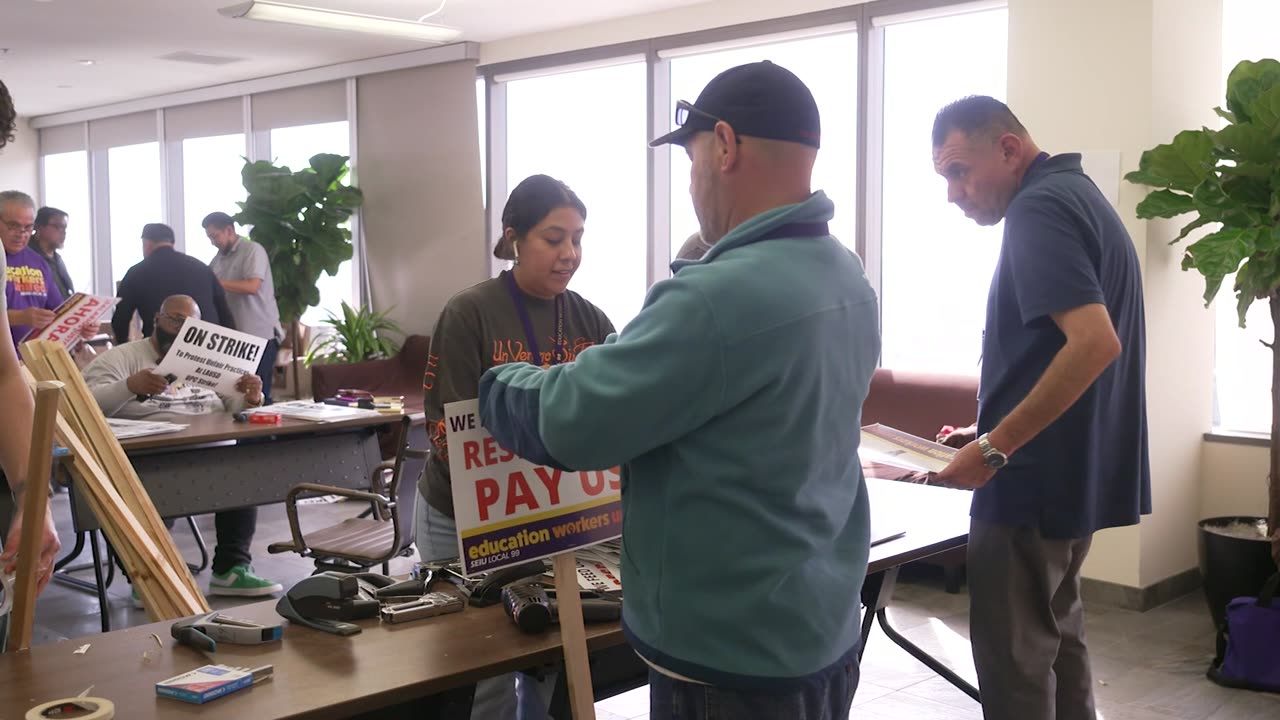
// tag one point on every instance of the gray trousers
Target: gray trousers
(1026, 624)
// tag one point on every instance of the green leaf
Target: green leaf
(1191, 226)
(1182, 164)
(1247, 82)
(1248, 142)
(1165, 204)
(1140, 177)
(1265, 111)
(1219, 254)
(1225, 115)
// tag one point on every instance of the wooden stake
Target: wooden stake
(115, 494)
(113, 460)
(34, 505)
(573, 636)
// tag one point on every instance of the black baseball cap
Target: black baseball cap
(759, 99)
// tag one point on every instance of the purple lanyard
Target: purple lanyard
(523, 312)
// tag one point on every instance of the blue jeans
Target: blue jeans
(828, 699)
(506, 697)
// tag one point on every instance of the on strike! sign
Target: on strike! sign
(510, 511)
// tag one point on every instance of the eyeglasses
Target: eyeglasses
(172, 318)
(15, 227)
(684, 109)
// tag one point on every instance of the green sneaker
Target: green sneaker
(137, 600)
(240, 581)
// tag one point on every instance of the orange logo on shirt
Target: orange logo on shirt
(509, 351)
(26, 281)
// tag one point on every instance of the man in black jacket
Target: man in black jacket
(163, 272)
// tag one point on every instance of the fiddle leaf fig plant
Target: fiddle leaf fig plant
(297, 216)
(1229, 179)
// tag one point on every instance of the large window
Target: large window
(66, 187)
(600, 153)
(134, 188)
(294, 147)
(210, 182)
(1242, 366)
(936, 264)
(828, 65)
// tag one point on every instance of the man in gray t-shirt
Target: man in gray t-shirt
(245, 273)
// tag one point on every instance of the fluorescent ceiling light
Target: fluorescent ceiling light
(338, 20)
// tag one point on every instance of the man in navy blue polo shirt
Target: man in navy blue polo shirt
(1061, 437)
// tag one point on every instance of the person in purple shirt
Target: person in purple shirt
(29, 290)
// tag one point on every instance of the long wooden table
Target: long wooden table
(387, 671)
(394, 669)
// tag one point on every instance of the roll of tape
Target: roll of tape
(86, 708)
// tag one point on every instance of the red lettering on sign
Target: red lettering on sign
(486, 495)
(592, 482)
(471, 454)
(518, 493)
(551, 481)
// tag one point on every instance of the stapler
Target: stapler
(327, 600)
(204, 632)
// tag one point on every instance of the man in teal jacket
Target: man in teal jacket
(733, 402)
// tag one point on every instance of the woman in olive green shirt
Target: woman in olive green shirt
(526, 314)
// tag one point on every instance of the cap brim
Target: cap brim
(679, 136)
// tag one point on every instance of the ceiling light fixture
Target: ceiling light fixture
(86, 62)
(338, 20)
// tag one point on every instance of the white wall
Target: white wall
(1234, 480)
(19, 161)
(1186, 61)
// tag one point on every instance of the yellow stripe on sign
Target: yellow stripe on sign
(539, 516)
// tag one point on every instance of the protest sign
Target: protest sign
(71, 316)
(211, 356)
(510, 511)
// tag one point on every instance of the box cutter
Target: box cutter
(204, 632)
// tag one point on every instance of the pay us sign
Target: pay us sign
(510, 511)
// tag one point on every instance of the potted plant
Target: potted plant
(298, 216)
(1230, 179)
(356, 335)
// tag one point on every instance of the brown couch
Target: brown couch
(399, 375)
(920, 404)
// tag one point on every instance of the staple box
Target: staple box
(205, 683)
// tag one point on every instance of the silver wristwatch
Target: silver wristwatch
(992, 457)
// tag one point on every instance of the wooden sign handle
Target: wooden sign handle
(34, 505)
(573, 636)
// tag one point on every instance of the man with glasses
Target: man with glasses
(732, 401)
(51, 235)
(124, 382)
(29, 289)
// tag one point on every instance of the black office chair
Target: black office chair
(383, 532)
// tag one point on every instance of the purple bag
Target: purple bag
(1247, 656)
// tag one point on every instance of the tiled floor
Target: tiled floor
(1147, 666)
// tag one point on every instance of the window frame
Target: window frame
(867, 20)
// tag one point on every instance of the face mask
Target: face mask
(165, 340)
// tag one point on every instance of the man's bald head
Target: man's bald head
(183, 305)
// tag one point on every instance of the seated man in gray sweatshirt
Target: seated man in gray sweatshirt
(124, 384)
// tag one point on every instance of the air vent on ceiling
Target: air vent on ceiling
(200, 58)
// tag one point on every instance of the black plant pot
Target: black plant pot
(1232, 567)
